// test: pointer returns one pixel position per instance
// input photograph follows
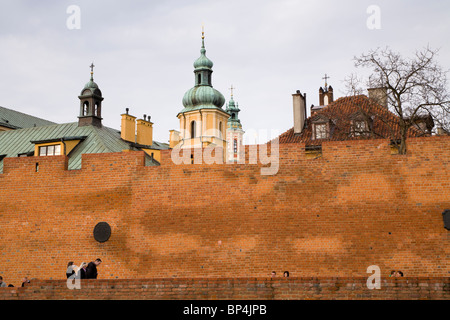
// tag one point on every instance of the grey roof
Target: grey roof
(18, 120)
(97, 140)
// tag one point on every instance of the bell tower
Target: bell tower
(202, 120)
(235, 134)
(90, 104)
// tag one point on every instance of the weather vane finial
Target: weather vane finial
(326, 78)
(231, 89)
(92, 70)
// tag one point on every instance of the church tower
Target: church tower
(326, 93)
(90, 104)
(235, 134)
(202, 121)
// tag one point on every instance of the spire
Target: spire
(203, 62)
(203, 49)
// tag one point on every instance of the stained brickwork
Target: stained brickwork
(234, 289)
(332, 216)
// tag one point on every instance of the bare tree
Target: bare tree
(416, 88)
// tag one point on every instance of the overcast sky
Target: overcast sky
(144, 52)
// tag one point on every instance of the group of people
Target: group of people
(396, 274)
(4, 285)
(285, 274)
(84, 271)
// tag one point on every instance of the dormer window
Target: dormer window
(360, 128)
(52, 150)
(320, 131)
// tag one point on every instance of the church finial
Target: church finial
(326, 78)
(92, 71)
(231, 89)
(203, 50)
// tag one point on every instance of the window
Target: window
(96, 110)
(193, 129)
(320, 131)
(235, 146)
(199, 79)
(220, 129)
(360, 128)
(86, 108)
(54, 150)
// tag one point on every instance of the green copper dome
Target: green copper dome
(203, 62)
(203, 96)
(92, 86)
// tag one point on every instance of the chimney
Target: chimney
(128, 127)
(174, 138)
(144, 132)
(299, 111)
(379, 95)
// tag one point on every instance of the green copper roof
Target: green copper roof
(18, 120)
(203, 95)
(203, 62)
(233, 110)
(98, 140)
(92, 86)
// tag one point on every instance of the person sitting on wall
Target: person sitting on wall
(286, 274)
(393, 273)
(274, 274)
(91, 270)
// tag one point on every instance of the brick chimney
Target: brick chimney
(144, 131)
(299, 111)
(128, 127)
(379, 95)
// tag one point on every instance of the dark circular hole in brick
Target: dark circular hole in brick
(102, 232)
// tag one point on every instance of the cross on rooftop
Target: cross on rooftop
(326, 78)
(231, 89)
(92, 67)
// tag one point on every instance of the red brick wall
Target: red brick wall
(234, 289)
(334, 216)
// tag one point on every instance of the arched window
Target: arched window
(199, 79)
(96, 109)
(220, 129)
(235, 146)
(193, 129)
(86, 108)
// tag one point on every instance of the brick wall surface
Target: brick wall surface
(234, 289)
(333, 216)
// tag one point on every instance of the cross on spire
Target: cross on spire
(326, 78)
(92, 70)
(231, 89)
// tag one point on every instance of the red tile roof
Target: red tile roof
(385, 124)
